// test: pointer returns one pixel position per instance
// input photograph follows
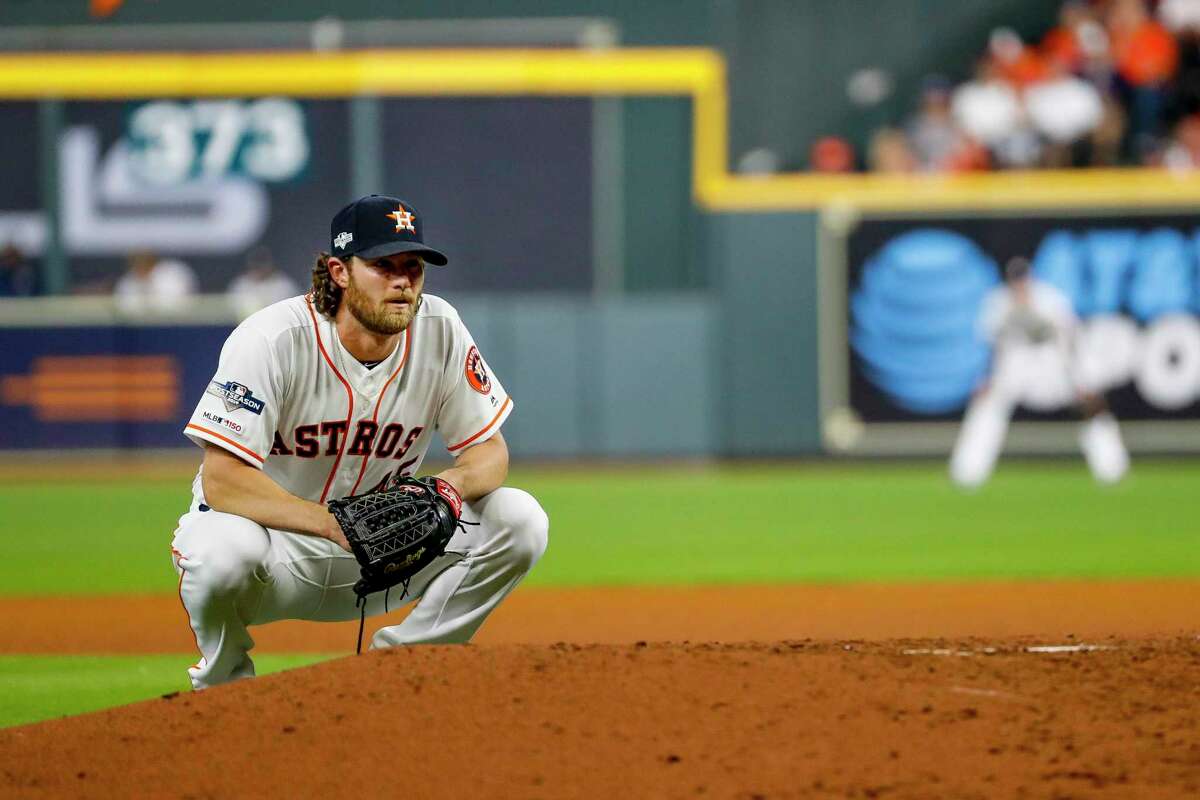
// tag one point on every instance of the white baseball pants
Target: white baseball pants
(982, 437)
(234, 573)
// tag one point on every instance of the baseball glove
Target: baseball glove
(397, 532)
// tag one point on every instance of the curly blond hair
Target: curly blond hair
(326, 295)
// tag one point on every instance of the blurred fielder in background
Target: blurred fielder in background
(1032, 328)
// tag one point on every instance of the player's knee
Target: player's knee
(534, 536)
(222, 550)
(527, 524)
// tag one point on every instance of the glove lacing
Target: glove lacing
(360, 600)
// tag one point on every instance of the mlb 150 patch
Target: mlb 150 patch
(225, 422)
(235, 395)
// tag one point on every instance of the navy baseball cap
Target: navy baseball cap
(377, 225)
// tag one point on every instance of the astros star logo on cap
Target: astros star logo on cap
(404, 220)
(380, 225)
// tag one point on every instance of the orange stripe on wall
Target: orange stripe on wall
(97, 388)
(102, 362)
(16, 390)
(113, 397)
(104, 380)
(54, 414)
(143, 404)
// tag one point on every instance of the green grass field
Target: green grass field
(41, 687)
(644, 525)
(852, 522)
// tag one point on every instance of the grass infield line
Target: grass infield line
(34, 688)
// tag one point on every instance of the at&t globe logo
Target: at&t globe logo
(913, 319)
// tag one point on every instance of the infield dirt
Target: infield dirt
(895, 719)
(1114, 715)
(119, 624)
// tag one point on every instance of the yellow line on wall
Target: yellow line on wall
(1033, 190)
(697, 73)
(680, 71)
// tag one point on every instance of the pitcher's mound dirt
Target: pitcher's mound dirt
(895, 719)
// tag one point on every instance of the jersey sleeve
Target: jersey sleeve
(240, 405)
(474, 404)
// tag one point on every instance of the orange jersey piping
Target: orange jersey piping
(486, 428)
(228, 441)
(349, 400)
(375, 415)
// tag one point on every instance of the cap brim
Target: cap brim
(434, 257)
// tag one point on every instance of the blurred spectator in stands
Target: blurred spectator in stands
(1144, 51)
(17, 276)
(988, 109)
(1079, 41)
(971, 156)
(831, 154)
(260, 284)
(1180, 16)
(1101, 89)
(1182, 152)
(1183, 18)
(154, 284)
(1145, 57)
(1105, 143)
(1065, 110)
(932, 134)
(1014, 61)
(1063, 43)
(889, 152)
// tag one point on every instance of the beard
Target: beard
(379, 318)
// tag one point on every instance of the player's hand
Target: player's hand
(333, 532)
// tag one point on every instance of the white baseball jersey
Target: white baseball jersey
(1034, 362)
(1047, 318)
(288, 398)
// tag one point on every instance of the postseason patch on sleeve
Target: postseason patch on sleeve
(235, 395)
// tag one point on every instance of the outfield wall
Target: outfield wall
(796, 350)
(588, 378)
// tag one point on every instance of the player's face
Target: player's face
(383, 293)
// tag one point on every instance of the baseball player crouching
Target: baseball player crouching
(334, 394)
(1033, 329)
